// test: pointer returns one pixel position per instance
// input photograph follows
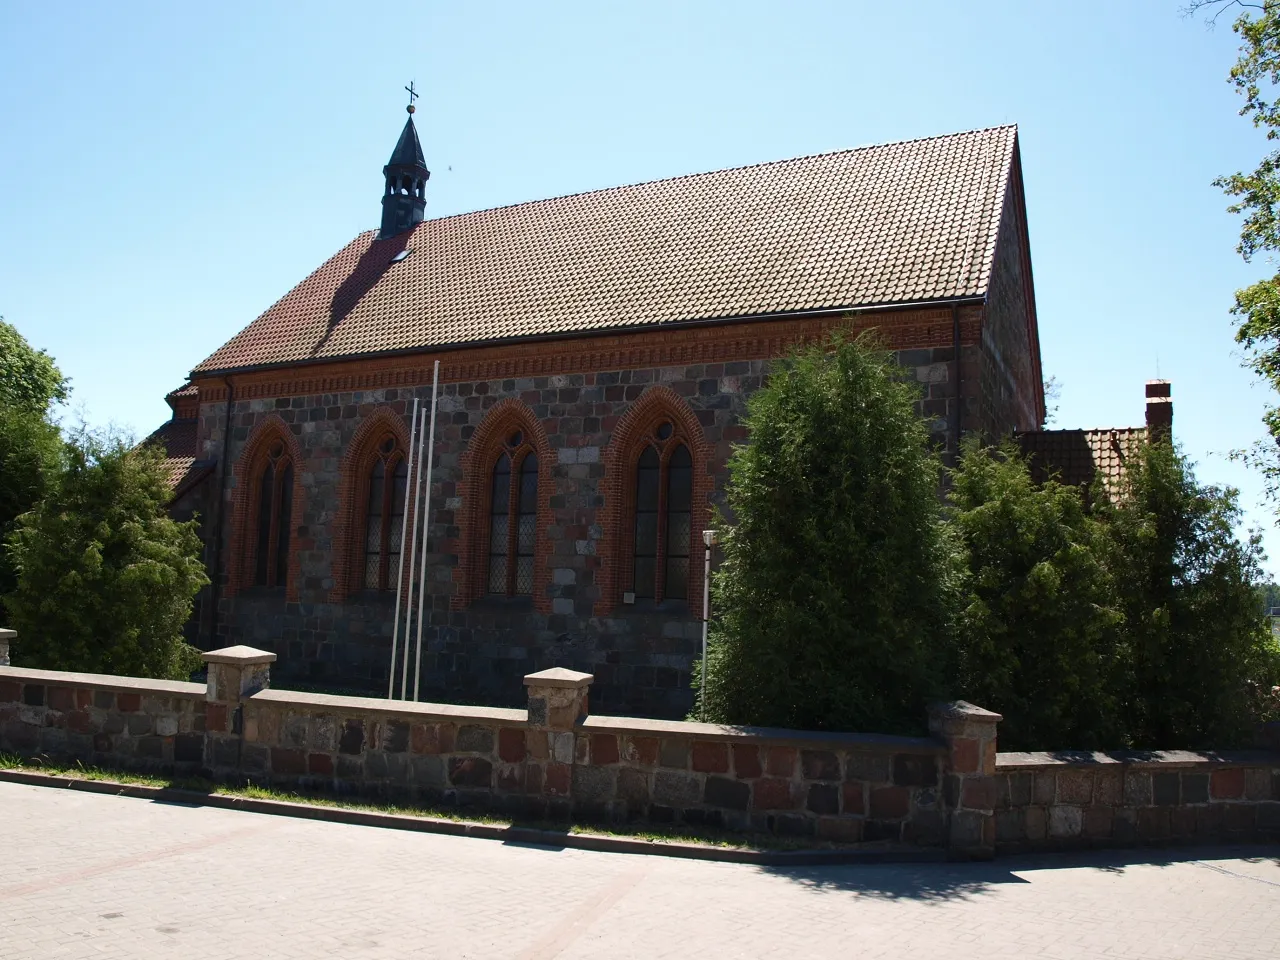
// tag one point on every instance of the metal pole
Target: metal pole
(413, 555)
(426, 517)
(708, 538)
(404, 529)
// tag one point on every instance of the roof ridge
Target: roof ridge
(719, 170)
(1023, 433)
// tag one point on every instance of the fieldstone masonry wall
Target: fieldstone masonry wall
(479, 649)
(1064, 800)
(554, 760)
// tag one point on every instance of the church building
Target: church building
(596, 353)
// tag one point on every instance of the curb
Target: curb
(513, 834)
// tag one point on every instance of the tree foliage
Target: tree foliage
(29, 379)
(1134, 623)
(834, 594)
(105, 579)
(30, 456)
(1256, 195)
(1038, 631)
(1196, 641)
(30, 442)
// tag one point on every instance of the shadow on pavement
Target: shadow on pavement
(961, 881)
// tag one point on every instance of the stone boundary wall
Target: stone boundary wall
(145, 725)
(1071, 800)
(553, 760)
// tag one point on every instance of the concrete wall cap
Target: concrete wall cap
(102, 681)
(558, 677)
(815, 739)
(407, 709)
(1084, 759)
(240, 654)
(7, 634)
(962, 710)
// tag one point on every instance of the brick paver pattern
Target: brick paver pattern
(98, 876)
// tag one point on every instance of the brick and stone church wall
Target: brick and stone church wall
(1008, 393)
(476, 650)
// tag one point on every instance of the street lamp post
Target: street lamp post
(708, 540)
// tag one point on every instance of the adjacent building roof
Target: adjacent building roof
(896, 223)
(178, 439)
(1075, 457)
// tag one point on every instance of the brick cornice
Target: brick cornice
(721, 343)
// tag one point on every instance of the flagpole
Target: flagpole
(426, 517)
(404, 529)
(413, 555)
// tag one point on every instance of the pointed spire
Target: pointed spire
(404, 199)
(408, 151)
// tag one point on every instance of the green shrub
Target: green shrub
(1196, 641)
(105, 579)
(1038, 632)
(833, 598)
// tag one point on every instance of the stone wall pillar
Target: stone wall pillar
(235, 673)
(557, 706)
(970, 784)
(6, 638)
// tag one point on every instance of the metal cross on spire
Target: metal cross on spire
(413, 95)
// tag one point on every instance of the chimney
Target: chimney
(1159, 410)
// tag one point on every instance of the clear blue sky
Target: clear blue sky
(169, 170)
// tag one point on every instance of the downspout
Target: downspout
(218, 533)
(956, 421)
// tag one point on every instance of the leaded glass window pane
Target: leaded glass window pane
(647, 480)
(644, 576)
(527, 534)
(648, 477)
(266, 490)
(679, 522)
(677, 585)
(283, 519)
(498, 574)
(529, 484)
(499, 525)
(395, 525)
(524, 576)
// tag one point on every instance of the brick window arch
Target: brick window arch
(267, 509)
(373, 494)
(507, 481)
(656, 490)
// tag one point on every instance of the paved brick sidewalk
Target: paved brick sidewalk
(103, 877)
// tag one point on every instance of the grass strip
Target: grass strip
(653, 833)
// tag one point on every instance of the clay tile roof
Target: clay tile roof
(895, 223)
(1075, 456)
(178, 438)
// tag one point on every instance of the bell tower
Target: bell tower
(404, 198)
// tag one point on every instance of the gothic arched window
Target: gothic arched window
(513, 518)
(384, 515)
(275, 508)
(663, 528)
